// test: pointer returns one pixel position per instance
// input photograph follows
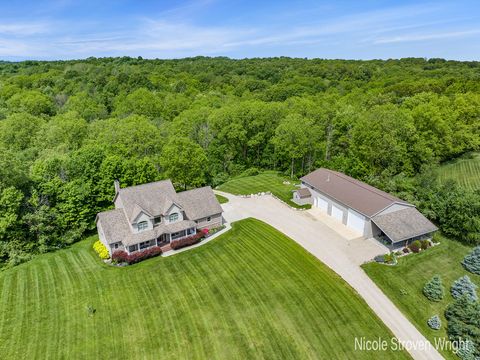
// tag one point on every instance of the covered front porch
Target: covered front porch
(163, 238)
(166, 238)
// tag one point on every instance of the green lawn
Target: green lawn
(411, 274)
(465, 170)
(221, 199)
(250, 293)
(280, 186)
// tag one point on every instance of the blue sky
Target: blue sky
(361, 29)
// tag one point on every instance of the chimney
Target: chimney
(116, 183)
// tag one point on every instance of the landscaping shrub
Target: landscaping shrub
(471, 262)
(253, 171)
(463, 318)
(123, 257)
(390, 258)
(434, 322)
(425, 244)
(101, 250)
(464, 286)
(191, 240)
(433, 289)
(406, 250)
(467, 351)
(415, 246)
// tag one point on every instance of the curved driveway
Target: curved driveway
(341, 250)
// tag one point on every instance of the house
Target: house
(155, 214)
(363, 208)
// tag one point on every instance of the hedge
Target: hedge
(191, 240)
(101, 250)
(121, 256)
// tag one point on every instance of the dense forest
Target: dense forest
(69, 128)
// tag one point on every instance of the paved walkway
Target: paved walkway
(339, 248)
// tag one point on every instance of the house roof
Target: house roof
(199, 203)
(303, 193)
(116, 228)
(404, 224)
(152, 198)
(353, 193)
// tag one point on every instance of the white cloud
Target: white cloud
(424, 37)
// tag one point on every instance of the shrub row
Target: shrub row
(122, 256)
(101, 250)
(191, 240)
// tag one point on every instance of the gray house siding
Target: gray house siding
(214, 222)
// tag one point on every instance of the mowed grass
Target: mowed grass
(252, 293)
(271, 181)
(464, 170)
(221, 199)
(404, 283)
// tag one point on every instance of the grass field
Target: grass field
(221, 199)
(411, 274)
(250, 293)
(465, 170)
(271, 181)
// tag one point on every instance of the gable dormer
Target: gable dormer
(174, 214)
(142, 220)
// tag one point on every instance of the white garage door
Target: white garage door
(355, 221)
(321, 204)
(337, 213)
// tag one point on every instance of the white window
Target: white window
(133, 248)
(173, 217)
(142, 225)
(144, 245)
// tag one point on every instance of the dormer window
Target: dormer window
(173, 217)
(143, 225)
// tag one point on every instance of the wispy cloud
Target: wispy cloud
(24, 29)
(425, 37)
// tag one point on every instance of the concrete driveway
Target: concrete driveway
(339, 248)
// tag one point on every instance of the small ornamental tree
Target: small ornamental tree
(433, 289)
(434, 322)
(101, 250)
(415, 246)
(464, 286)
(471, 262)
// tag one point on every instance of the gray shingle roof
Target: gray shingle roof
(404, 224)
(353, 193)
(199, 203)
(151, 197)
(303, 193)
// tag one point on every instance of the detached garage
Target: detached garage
(363, 208)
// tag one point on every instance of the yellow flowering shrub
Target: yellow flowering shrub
(101, 250)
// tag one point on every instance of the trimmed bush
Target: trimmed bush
(191, 240)
(101, 250)
(390, 258)
(471, 262)
(425, 244)
(464, 286)
(123, 257)
(433, 289)
(415, 246)
(434, 322)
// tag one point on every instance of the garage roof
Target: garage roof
(353, 193)
(404, 224)
(303, 193)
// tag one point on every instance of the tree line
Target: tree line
(69, 128)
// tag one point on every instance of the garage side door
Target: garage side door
(337, 213)
(355, 221)
(321, 204)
